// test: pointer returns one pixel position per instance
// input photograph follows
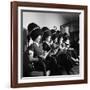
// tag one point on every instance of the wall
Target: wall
(43, 19)
(5, 47)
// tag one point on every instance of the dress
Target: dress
(50, 61)
(38, 65)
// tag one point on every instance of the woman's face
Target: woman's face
(67, 43)
(56, 39)
(49, 38)
(38, 39)
(61, 40)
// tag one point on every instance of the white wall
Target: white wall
(5, 47)
(43, 19)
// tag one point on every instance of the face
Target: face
(67, 43)
(61, 40)
(49, 38)
(56, 39)
(38, 39)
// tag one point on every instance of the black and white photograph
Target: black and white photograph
(49, 44)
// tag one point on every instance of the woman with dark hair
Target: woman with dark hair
(54, 44)
(45, 29)
(64, 56)
(46, 40)
(32, 26)
(53, 31)
(61, 55)
(35, 53)
(50, 61)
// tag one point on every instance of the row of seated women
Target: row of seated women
(49, 52)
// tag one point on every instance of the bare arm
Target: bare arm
(31, 58)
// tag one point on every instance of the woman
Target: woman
(55, 45)
(64, 55)
(35, 52)
(50, 61)
(31, 26)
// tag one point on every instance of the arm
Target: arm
(76, 60)
(31, 57)
(45, 54)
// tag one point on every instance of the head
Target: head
(60, 39)
(38, 39)
(45, 29)
(32, 26)
(66, 40)
(67, 43)
(36, 35)
(55, 38)
(65, 37)
(53, 31)
(47, 36)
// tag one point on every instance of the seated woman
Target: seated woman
(50, 61)
(54, 45)
(35, 51)
(64, 55)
